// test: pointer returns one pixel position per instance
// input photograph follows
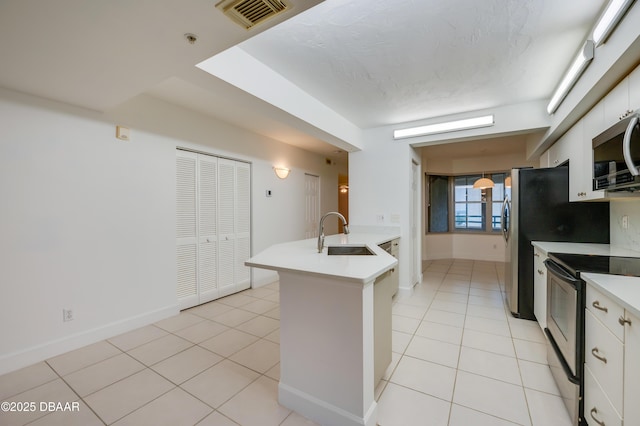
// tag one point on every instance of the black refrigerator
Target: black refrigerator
(539, 210)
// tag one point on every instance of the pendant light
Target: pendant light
(483, 183)
(507, 182)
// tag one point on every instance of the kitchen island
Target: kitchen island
(327, 326)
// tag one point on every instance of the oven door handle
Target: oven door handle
(558, 271)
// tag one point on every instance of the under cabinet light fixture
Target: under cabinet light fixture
(447, 126)
(282, 172)
(585, 55)
(609, 19)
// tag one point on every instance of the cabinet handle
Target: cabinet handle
(595, 352)
(540, 271)
(596, 304)
(622, 320)
(593, 412)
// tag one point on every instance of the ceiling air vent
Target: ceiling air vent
(251, 12)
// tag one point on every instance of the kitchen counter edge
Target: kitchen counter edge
(302, 257)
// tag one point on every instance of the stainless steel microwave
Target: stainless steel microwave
(616, 156)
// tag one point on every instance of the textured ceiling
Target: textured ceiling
(379, 62)
(373, 62)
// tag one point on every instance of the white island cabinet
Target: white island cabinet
(327, 327)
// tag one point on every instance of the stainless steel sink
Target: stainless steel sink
(351, 250)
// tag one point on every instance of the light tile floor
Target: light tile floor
(458, 358)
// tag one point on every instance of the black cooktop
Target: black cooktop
(614, 265)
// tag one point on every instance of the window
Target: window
(468, 206)
(438, 210)
(455, 206)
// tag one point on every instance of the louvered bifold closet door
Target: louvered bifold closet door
(226, 225)
(186, 229)
(243, 225)
(208, 235)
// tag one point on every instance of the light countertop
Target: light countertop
(302, 256)
(584, 248)
(623, 289)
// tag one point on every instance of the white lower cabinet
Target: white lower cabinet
(631, 369)
(612, 362)
(597, 408)
(382, 314)
(540, 287)
(604, 357)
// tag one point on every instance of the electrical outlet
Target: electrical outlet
(625, 222)
(380, 218)
(67, 315)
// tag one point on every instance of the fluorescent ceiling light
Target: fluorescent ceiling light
(449, 126)
(609, 19)
(571, 76)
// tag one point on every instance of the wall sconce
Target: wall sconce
(507, 182)
(343, 189)
(282, 172)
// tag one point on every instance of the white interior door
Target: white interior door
(207, 229)
(312, 205)
(186, 229)
(242, 273)
(226, 225)
(213, 227)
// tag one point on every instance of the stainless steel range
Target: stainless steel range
(565, 319)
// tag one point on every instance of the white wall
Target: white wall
(464, 246)
(88, 221)
(380, 184)
(627, 238)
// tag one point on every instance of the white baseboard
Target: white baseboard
(23, 358)
(265, 280)
(321, 411)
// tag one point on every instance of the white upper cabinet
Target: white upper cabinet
(560, 151)
(592, 125)
(616, 103)
(634, 90)
(576, 146)
(623, 99)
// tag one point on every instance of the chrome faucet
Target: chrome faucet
(321, 228)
